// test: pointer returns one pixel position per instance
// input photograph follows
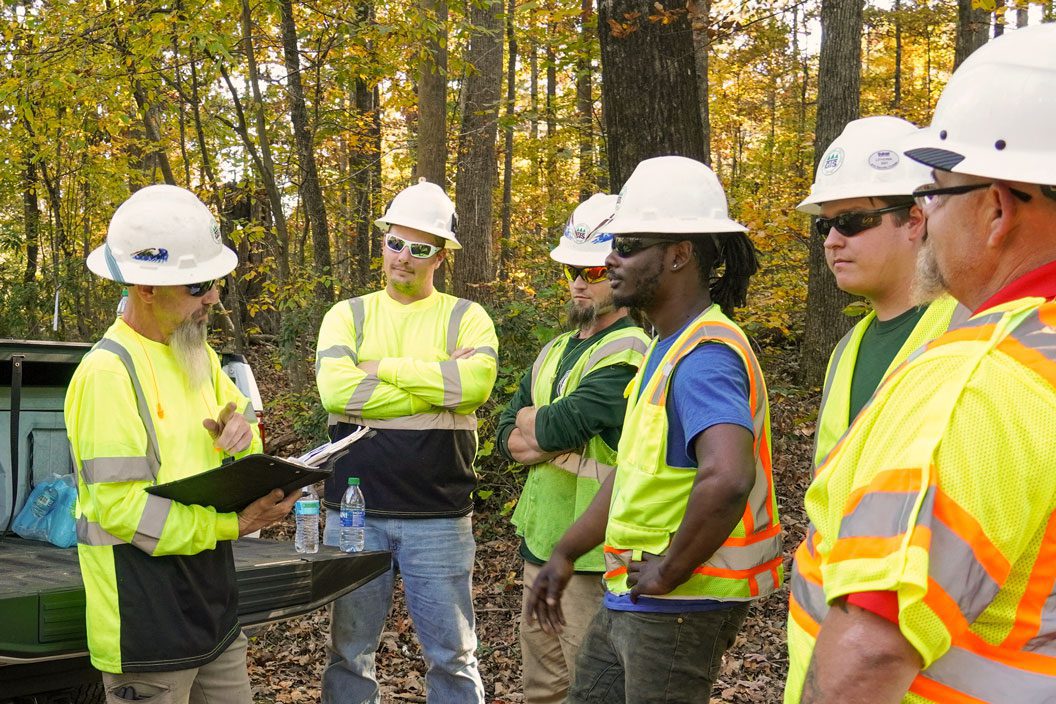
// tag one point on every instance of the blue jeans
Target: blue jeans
(435, 558)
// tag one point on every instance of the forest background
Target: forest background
(298, 122)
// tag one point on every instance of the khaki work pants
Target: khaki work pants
(223, 680)
(550, 661)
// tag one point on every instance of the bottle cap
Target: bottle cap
(353, 481)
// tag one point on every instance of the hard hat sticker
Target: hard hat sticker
(883, 159)
(152, 254)
(832, 162)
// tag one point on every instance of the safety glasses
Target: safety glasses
(199, 290)
(590, 274)
(855, 222)
(627, 246)
(419, 250)
(927, 197)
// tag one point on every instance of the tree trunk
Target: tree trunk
(311, 193)
(507, 156)
(999, 18)
(432, 97)
(1022, 16)
(649, 85)
(701, 47)
(477, 171)
(839, 78)
(31, 213)
(1048, 11)
(973, 27)
(896, 101)
(282, 235)
(585, 102)
(150, 126)
(365, 177)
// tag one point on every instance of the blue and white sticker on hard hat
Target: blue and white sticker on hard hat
(883, 159)
(579, 234)
(832, 161)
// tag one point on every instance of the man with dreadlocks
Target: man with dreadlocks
(689, 518)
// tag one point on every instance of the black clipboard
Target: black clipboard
(232, 487)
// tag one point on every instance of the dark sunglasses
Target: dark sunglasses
(590, 274)
(199, 290)
(927, 197)
(855, 222)
(627, 246)
(419, 250)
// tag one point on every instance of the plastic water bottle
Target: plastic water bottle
(306, 513)
(123, 302)
(353, 518)
(44, 501)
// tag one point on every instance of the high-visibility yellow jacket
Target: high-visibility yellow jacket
(421, 402)
(944, 492)
(158, 575)
(835, 411)
(649, 497)
(557, 492)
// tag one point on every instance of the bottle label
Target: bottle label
(306, 508)
(43, 504)
(352, 518)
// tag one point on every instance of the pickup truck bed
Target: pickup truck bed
(42, 597)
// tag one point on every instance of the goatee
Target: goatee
(188, 345)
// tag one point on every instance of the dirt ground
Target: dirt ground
(286, 660)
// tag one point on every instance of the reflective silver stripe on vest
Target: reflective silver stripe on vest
(489, 351)
(1035, 334)
(834, 365)
(884, 514)
(538, 365)
(418, 421)
(335, 352)
(958, 572)
(362, 393)
(580, 466)
(91, 533)
(358, 316)
(727, 557)
(988, 680)
(151, 523)
(621, 344)
(458, 312)
(99, 470)
(810, 596)
(1045, 642)
(153, 451)
(452, 383)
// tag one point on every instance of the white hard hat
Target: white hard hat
(423, 206)
(162, 236)
(995, 116)
(866, 161)
(583, 242)
(672, 194)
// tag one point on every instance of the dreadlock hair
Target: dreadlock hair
(726, 262)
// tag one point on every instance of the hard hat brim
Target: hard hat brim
(149, 274)
(567, 255)
(1010, 164)
(811, 205)
(661, 226)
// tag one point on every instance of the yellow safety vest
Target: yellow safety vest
(649, 497)
(557, 492)
(944, 493)
(835, 411)
(158, 576)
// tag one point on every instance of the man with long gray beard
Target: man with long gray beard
(150, 404)
(564, 423)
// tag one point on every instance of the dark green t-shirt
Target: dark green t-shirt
(880, 343)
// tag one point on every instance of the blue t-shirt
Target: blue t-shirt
(709, 387)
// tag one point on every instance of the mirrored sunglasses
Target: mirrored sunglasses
(590, 274)
(856, 221)
(199, 290)
(627, 246)
(419, 250)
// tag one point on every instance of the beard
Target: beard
(928, 282)
(645, 293)
(188, 345)
(584, 316)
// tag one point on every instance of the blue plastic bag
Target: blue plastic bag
(48, 513)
